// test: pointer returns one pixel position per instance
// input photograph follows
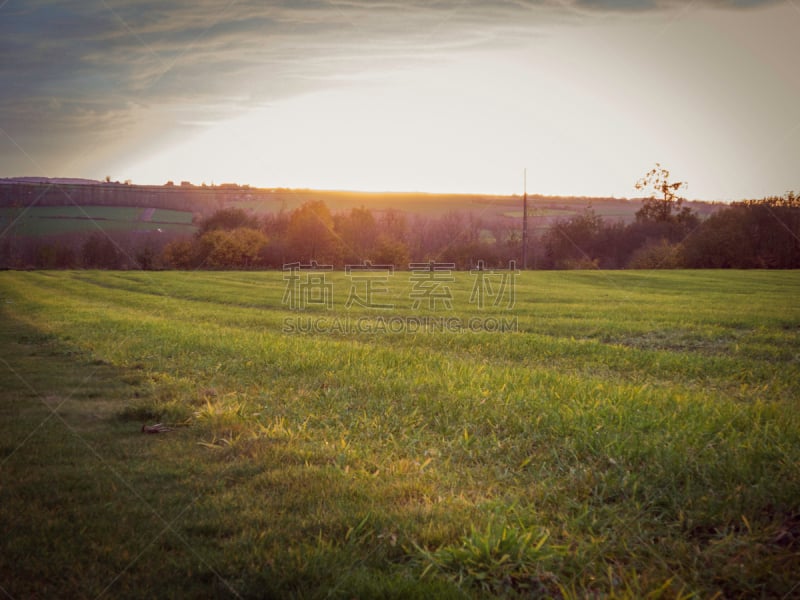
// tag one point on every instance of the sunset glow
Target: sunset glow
(456, 100)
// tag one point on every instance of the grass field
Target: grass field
(629, 435)
(436, 205)
(55, 220)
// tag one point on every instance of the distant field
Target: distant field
(204, 201)
(435, 205)
(598, 434)
(542, 212)
(53, 220)
(427, 205)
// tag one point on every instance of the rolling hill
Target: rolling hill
(37, 206)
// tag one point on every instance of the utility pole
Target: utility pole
(525, 220)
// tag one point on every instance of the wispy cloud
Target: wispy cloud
(92, 71)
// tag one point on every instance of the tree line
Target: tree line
(233, 238)
(743, 235)
(665, 234)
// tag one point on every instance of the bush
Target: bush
(239, 248)
(656, 255)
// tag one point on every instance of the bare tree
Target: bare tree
(664, 205)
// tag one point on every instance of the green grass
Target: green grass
(53, 220)
(637, 436)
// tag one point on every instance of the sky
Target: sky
(438, 96)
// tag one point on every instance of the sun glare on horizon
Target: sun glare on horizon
(575, 107)
(467, 126)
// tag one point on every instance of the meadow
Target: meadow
(620, 434)
(58, 220)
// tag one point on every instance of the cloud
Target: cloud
(161, 51)
(639, 6)
(105, 55)
(92, 72)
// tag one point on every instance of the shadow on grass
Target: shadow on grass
(90, 506)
